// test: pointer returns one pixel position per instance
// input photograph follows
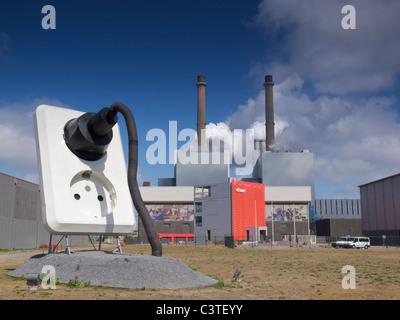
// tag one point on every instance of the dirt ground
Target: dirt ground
(277, 274)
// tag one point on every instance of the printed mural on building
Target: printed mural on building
(287, 212)
(171, 212)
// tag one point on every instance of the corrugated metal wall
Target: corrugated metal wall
(337, 208)
(380, 203)
(21, 224)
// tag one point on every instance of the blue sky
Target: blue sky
(336, 90)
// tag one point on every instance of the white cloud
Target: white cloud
(354, 140)
(308, 39)
(348, 123)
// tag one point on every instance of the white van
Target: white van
(352, 242)
(358, 242)
(342, 242)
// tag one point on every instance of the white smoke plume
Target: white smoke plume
(354, 140)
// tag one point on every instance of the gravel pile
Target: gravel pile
(117, 270)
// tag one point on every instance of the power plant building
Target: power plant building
(281, 169)
(286, 179)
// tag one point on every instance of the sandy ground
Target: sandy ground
(277, 274)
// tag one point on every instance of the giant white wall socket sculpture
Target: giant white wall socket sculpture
(80, 196)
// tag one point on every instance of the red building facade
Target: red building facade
(248, 207)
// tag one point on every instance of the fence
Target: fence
(389, 241)
(194, 240)
(285, 241)
(227, 240)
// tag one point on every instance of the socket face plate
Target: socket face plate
(80, 196)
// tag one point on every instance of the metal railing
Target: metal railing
(289, 241)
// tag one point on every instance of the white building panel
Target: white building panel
(288, 194)
(166, 194)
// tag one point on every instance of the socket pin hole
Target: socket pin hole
(100, 198)
(77, 196)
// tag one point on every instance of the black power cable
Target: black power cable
(132, 175)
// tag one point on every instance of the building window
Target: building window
(198, 192)
(198, 207)
(202, 192)
(207, 191)
(199, 221)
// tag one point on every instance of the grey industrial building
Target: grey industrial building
(380, 205)
(21, 223)
(337, 209)
(335, 218)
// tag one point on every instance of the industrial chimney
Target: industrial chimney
(269, 112)
(201, 113)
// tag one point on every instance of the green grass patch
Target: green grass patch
(75, 283)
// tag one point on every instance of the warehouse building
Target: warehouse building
(21, 223)
(336, 209)
(336, 218)
(380, 205)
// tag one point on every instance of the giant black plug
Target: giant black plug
(89, 135)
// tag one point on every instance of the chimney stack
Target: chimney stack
(269, 112)
(201, 112)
